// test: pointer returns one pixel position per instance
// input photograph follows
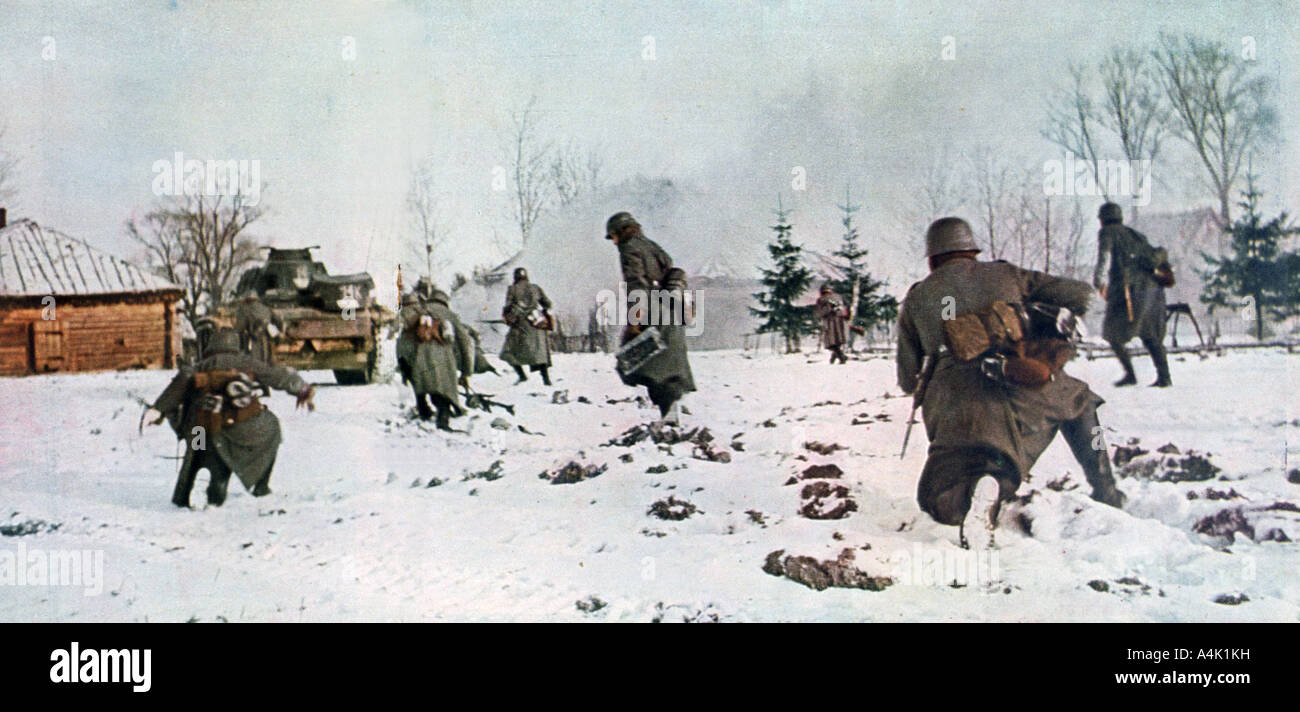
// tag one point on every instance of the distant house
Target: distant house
(480, 299)
(65, 306)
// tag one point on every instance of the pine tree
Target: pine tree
(1257, 268)
(785, 281)
(873, 307)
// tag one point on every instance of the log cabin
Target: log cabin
(65, 306)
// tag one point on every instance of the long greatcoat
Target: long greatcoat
(972, 421)
(253, 320)
(1120, 251)
(831, 311)
(247, 448)
(525, 345)
(668, 376)
(436, 367)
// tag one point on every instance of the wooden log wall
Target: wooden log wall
(88, 334)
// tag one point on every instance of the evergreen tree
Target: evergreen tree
(786, 280)
(1257, 268)
(873, 308)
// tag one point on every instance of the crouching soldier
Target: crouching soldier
(525, 313)
(992, 399)
(438, 351)
(649, 275)
(215, 408)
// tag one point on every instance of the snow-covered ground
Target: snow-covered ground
(354, 532)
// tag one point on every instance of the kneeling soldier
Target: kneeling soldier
(214, 407)
(992, 398)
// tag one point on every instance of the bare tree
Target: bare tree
(938, 194)
(424, 206)
(1075, 256)
(1221, 109)
(170, 254)
(1133, 106)
(8, 171)
(529, 169)
(1025, 216)
(992, 182)
(198, 243)
(1072, 120)
(575, 173)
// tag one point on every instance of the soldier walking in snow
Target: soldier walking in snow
(992, 396)
(436, 353)
(525, 313)
(649, 272)
(1132, 276)
(257, 327)
(214, 407)
(834, 316)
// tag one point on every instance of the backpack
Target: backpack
(1018, 346)
(1150, 259)
(428, 328)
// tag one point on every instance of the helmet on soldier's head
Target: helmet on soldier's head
(826, 288)
(520, 273)
(440, 297)
(222, 340)
(1110, 213)
(617, 222)
(949, 235)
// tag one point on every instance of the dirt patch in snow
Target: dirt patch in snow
(817, 472)
(1175, 467)
(701, 440)
(573, 473)
(25, 528)
(823, 448)
(821, 500)
(821, 575)
(1259, 524)
(673, 509)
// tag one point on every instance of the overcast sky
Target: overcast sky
(736, 95)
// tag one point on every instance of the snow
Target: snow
(346, 535)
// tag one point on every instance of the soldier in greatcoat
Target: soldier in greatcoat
(834, 317)
(986, 433)
(1132, 281)
(525, 312)
(648, 271)
(215, 408)
(436, 354)
(257, 327)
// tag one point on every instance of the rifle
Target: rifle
(399, 288)
(922, 384)
(483, 401)
(147, 405)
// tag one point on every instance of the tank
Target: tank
(325, 321)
